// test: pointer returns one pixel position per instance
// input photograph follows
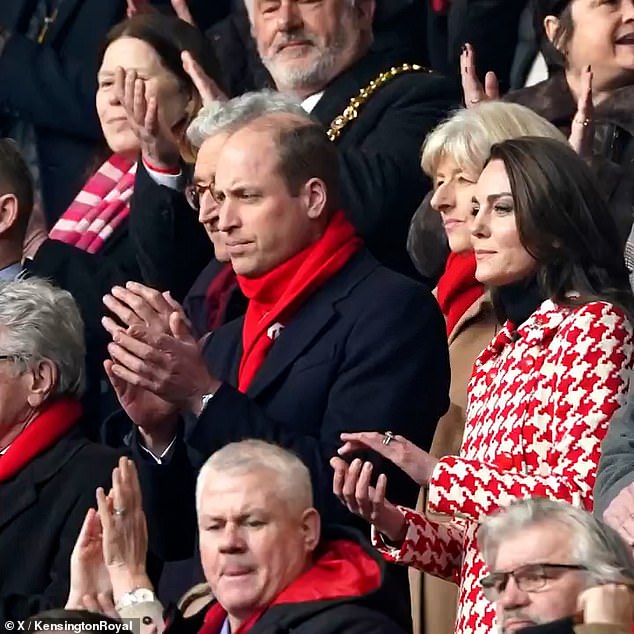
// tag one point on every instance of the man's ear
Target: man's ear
(311, 526)
(315, 198)
(551, 25)
(365, 12)
(9, 210)
(44, 377)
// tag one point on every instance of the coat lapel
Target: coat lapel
(310, 321)
(302, 330)
(21, 492)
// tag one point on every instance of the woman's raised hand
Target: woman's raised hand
(582, 127)
(124, 530)
(473, 90)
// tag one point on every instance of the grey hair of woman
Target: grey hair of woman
(594, 545)
(40, 321)
(231, 115)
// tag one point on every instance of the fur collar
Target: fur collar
(553, 100)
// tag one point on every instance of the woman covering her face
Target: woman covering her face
(542, 393)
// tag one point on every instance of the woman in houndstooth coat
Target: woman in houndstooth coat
(544, 390)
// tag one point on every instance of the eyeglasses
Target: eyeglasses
(529, 578)
(194, 192)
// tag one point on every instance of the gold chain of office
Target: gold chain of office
(352, 110)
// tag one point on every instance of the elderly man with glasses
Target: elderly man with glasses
(48, 470)
(555, 568)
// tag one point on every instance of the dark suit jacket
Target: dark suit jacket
(381, 178)
(88, 277)
(382, 182)
(367, 351)
(53, 87)
(42, 509)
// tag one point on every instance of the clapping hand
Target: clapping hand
(209, 91)
(159, 145)
(582, 128)
(180, 7)
(620, 513)
(473, 90)
(90, 586)
(124, 527)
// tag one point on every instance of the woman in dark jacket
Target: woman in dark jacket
(577, 34)
(92, 247)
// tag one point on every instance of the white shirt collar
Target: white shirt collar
(310, 102)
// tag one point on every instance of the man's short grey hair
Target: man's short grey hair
(594, 545)
(231, 115)
(250, 3)
(40, 321)
(291, 478)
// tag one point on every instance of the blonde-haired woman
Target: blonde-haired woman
(453, 155)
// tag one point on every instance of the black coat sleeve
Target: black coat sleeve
(171, 246)
(398, 383)
(20, 606)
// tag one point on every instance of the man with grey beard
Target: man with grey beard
(375, 106)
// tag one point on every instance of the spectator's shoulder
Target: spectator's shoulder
(392, 293)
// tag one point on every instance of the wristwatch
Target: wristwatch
(138, 595)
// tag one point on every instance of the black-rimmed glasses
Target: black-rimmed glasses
(529, 578)
(194, 192)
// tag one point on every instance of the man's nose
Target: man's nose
(208, 211)
(232, 540)
(512, 596)
(289, 16)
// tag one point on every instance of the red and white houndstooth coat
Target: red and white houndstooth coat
(540, 400)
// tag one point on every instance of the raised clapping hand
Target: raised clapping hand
(620, 514)
(180, 7)
(90, 586)
(168, 365)
(207, 88)
(582, 128)
(473, 90)
(159, 145)
(609, 604)
(124, 537)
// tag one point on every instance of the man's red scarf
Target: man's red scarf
(276, 296)
(458, 288)
(343, 569)
(42, 433)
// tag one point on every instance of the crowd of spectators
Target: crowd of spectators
(317, 316)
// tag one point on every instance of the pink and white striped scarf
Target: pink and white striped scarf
(99, 208)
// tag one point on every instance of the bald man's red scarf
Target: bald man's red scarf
(276, 296)
(40, 435)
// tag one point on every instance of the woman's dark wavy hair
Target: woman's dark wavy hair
(170, 37)
(564, 222)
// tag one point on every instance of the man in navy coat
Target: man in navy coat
(332, 341)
